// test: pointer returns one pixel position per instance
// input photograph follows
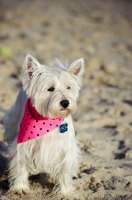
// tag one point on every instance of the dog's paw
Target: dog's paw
(20, 191)
(67, 190)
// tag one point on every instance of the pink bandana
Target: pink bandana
(34, 125)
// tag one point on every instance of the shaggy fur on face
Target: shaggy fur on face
(53, 92)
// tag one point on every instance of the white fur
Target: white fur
(55, 153)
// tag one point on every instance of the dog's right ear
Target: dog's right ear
(31, 69)
(30, 65)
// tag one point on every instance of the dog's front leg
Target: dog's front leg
(66, 183)
(69, 170)
(21, 184)
(18, 176)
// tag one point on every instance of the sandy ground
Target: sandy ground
(101, 32)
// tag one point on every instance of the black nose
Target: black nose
(64, 103)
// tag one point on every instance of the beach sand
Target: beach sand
(101, 32)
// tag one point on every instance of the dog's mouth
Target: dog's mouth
(62, 109)
(65, 112)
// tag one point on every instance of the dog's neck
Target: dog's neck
(34, 113)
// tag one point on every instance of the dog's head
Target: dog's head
(52, 90)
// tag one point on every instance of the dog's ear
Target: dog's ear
(31, 69)
(76, 69)
(30, 65)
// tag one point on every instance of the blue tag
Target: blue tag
(63, 128)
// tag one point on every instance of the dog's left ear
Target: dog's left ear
(76, 69)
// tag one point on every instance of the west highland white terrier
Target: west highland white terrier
(39, 126)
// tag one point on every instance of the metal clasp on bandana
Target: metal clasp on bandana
(63, 128)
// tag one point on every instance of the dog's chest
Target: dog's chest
(50, 151)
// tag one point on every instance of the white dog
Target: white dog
(39, 125)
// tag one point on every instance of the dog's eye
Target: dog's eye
(68, 88)
(51, 89)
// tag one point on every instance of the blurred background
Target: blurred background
(100, 31)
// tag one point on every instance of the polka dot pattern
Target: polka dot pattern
(34, 125)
